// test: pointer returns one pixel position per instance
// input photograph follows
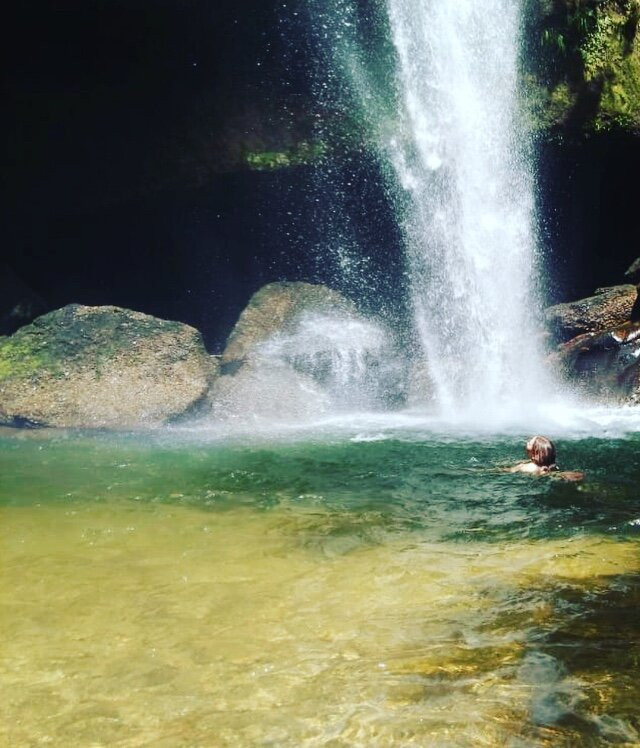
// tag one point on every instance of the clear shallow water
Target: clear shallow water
(378, 587)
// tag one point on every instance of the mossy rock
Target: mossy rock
(101, 367)
(302, 153)
(607, 308)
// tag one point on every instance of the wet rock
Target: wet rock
(605, 364)
(629, 383)
(276, 309)
(101, 367)
(607, 308)
(300, 351)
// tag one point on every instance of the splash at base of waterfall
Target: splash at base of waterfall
(329, 364)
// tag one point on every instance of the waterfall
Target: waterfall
(469, 218)
(456, 155)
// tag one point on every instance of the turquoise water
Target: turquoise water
(390, 588)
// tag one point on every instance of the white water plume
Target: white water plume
(350, 357)
(468, 207)
(437, 96)
(324, 365)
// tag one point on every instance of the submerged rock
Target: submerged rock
(101, 367)
(606, 364)
(607, 308)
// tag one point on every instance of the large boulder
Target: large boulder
(101, 367)
(605, 364)
(607, 308)
(300, 351)
(276, 309)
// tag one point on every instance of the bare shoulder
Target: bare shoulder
(525, 467)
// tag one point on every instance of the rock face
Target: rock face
(607, 308)
(298, 352)
(101, 367)
(277, 308)
(605, 364)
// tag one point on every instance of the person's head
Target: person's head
(542, 451)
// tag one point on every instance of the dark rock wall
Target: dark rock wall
(587, 193)
(131, 128)
(197, 255)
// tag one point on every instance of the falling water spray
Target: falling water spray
(460, 156)
(445, 121)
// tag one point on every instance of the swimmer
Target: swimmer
(542, 460)
(542, 457)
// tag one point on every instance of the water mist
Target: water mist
(460, 158)
(440, 105)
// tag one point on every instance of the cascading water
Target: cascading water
(469, 218)
(437, 92)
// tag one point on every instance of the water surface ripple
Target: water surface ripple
(327, 592)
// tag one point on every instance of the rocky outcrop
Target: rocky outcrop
(607, 308)
(605, 364)
(101, 367)
(277, 308)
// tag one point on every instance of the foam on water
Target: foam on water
(558, 420)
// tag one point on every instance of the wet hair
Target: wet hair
(542, 452)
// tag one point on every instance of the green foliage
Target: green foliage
(554, 38)
(590, 66)
(600, 47)
(302, 153)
